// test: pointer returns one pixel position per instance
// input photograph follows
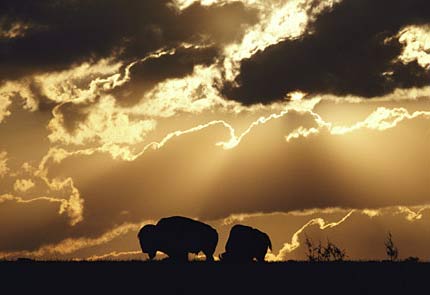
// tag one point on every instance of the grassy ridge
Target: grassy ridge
(135, 277)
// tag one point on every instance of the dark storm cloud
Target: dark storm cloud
(343, 53)
(61, 33)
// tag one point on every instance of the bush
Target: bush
(320, 253)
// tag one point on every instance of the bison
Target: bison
(177, 236)
(245, 244)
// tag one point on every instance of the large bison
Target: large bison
(177, 236)
(245, 244)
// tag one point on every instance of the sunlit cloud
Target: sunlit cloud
(371, 212)
(13, 30)
(104, 124)
(69, 246)
(73, 207)
(23, 185)
(381, 119)
(412, 214)
(194, 93)
(279, 21)
(6, 91)
(125, 153)
(64, 86)
(295, 243)
(3, 164)
(416, 40)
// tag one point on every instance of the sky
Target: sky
(303, 118)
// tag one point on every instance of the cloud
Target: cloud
(71, 245)
(294, 244)
(347, 59)
(103, 123)
(23, 185)
(73, 206)
(253, 180)
(5, 102)
(108, 28)
(416, 41)
(3, 164)
(12, 30)
(145, 75)
(338, 224)
(381, 119)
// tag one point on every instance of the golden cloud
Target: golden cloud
(14, 30)
(23, 185)
(3, 164)
(6, 91)
(381, 119)
(416, 40)
(69, 246)
(105, 125)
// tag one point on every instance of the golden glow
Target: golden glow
(128, 132)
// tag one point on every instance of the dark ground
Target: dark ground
(214, 278)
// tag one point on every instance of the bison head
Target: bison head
(148, 240)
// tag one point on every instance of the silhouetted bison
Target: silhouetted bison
(177, 236)
(245, 244)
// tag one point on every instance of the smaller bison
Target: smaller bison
(177, 236)
(245, 244)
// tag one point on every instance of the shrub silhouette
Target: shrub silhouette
(391, 250)
(246, 244)
(320, 253)
(177, 236)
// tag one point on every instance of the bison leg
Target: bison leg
(209, 255)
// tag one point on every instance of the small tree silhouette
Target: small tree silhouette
(310, 249)
(319, 253)
(333, 252)
(391, 249)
